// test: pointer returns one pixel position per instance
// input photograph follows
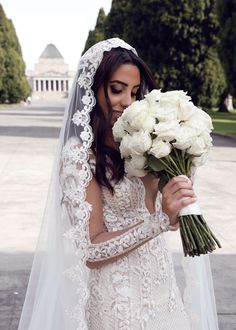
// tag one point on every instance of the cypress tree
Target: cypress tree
(97, 34)
(13, 83)
(116, 19)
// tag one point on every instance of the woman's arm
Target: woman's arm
(108, 246)
(105, 246)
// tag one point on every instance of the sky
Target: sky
(65, 23)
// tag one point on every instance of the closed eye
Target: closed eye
(114, 90)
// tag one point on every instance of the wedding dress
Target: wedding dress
(138, 291)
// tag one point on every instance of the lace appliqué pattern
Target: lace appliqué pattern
(138, 291)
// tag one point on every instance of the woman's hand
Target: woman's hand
(176, 194)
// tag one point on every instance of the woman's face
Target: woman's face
(122, 89)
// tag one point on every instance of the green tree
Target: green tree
(227, 15)
(179, 42)
(13, 83)
(97, 34)
(116, 19)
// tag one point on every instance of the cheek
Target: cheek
(114, 99)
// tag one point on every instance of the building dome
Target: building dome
(51, 52)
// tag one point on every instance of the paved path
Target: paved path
(28, 137)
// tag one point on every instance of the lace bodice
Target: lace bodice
(125, 208)
(137, 291)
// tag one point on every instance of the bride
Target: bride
(102, 261)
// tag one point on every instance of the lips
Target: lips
(117, 113)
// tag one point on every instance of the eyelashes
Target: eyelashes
(116, 91)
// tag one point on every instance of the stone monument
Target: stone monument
(51, 78)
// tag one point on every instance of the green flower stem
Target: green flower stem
(194, 226)
(180, 161)
(175, 165)
(183, 243)
(210, 235)
(205, 230)
(201, 235)
(196, 236)
(184, 233)
(167, 168)
(187, 226)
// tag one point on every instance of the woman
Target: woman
(103, 262)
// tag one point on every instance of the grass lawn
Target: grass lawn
(224, 123)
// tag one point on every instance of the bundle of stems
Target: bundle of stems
(197, 238)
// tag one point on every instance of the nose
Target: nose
(126, 100)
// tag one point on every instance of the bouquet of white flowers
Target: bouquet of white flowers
(167, 135)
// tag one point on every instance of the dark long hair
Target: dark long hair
(108, 159)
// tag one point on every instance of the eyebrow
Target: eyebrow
(122, 83)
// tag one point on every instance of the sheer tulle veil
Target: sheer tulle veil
(58, 287)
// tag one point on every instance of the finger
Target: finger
(176, 180)
(177, 186)
(186, 201)
(183, 193)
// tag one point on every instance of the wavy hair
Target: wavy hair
(108, 159)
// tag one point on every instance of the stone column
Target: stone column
(34, 85)
(44, 85)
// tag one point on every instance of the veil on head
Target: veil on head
(58, 291)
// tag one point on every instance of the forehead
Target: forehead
(127, 73)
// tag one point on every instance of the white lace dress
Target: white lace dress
(138, 291)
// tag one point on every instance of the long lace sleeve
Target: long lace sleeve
(149, 228)
(131, 237)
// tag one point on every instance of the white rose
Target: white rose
(141, 142)
(207, 139)
(205, 118)
(125, 146)
(139, 116)
(172, 99)
(143, 121)
(201, 121)
(177, 94)
(184, 138)
(134, 109)
(166, 114)
(199, 161)
(186, 110)
(131, 170)
(167, 130)
(198, 147)
(160, 149)
(138, 161)
(118, 129)
(153, 97)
